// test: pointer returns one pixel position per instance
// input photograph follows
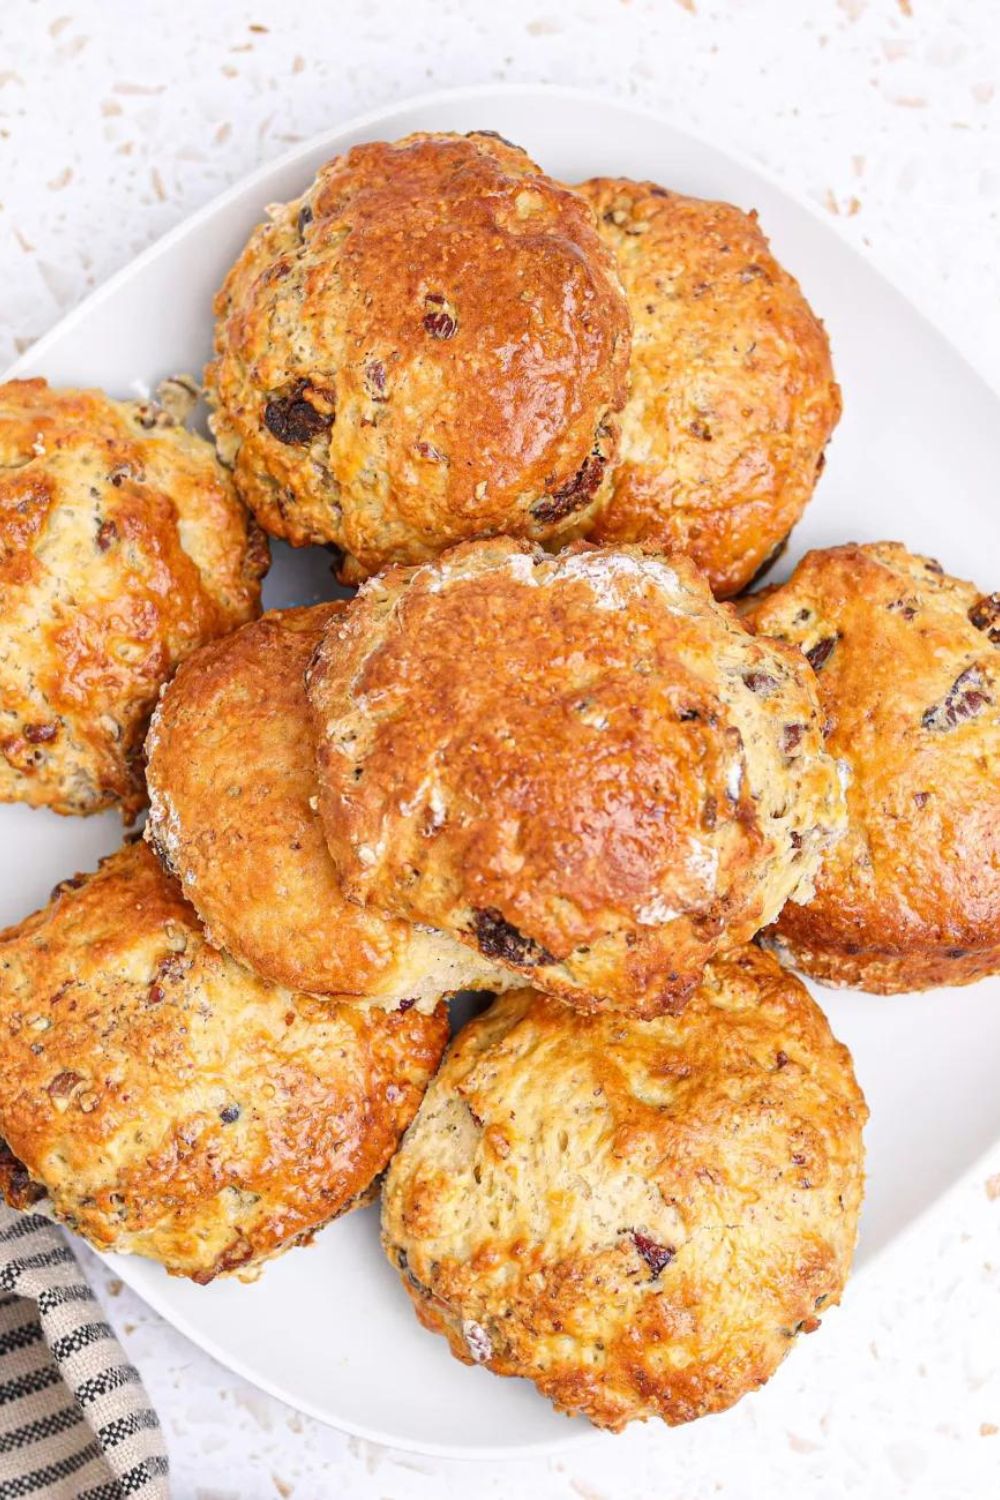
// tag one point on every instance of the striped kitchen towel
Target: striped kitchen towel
(75, 1421)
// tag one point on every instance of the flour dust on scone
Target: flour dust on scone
(624, 779)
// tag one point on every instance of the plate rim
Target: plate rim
(458, 94)
(529, 1450)
(132, 1269)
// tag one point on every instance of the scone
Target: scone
(639, 1217)
(732, 390)
(582, 766)
(430, 344)
(908, 661)
(122, 547)
(168, 1103)
(232, 786)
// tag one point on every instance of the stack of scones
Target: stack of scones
(549, 431)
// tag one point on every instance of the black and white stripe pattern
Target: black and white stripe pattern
(75, 1421)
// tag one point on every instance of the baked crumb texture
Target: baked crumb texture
(430, 344)
(639, 1217)
(123, 547)
(581, 766)
(908, 665)
(166, 1102)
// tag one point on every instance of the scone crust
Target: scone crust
(236, 823)
(909, 677)
(733, 396)
(171, 1104)
(639, 1217)
(430, 344)
(581, 765)
(122, 547)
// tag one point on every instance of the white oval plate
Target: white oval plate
(915, 459)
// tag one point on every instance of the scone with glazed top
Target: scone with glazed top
(168, 1103)
(430, 344)
(639, 1217)
(908, 663)
(580, 765)
(232, 785)
(733, 396)
(122, 548)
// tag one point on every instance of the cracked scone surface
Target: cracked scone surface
(908, 665)
(583, 766)
(637, 1216)
(732, 397)
(231, 769)
(122, 547)
(430, 344)
(169, 1103)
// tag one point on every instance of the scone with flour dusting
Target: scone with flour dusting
(582, 766)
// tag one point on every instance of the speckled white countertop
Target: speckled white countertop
(116, 120)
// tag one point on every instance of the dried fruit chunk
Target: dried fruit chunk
(817, 656)
(657, 1257)
(498, 938)
(985, 615)
(292, 419)
(966, 698)
(580, 490)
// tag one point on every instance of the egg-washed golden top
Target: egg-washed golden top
(732, 394)
(122, 547)
(908, 663)
(430, 344)
(170, 1103)
(637, 1216)
(232, 786)
(581, 765)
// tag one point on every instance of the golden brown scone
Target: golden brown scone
(639, 1217)
(430, 344)
(171, 1104)
(732, 390)
(232, 788)
(122, 547)
(582, 765)
(908, 661)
